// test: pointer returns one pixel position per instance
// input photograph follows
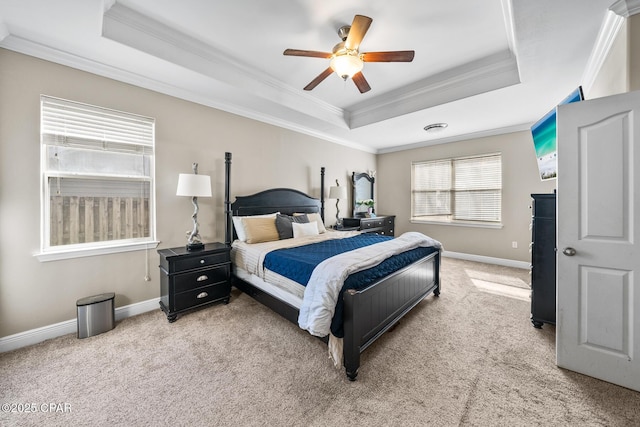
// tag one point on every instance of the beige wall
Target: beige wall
(519, 179)
(35, 294)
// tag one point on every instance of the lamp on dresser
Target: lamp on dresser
(194, 186)
(338, 193)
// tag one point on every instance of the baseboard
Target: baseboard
(37, 335)
(488, 260)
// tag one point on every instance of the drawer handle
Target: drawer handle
(202, 295)
(202, 278)
(202, 261)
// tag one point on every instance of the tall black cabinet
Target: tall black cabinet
(543, 259)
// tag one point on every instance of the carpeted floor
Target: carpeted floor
(470, 357)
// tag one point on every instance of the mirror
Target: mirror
(362, 190)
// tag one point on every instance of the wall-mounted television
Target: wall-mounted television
(545, 139)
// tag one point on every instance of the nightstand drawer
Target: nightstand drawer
(196, 279)
(202, 295)
(188, 263)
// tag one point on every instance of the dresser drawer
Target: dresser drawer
(196, 279)
(371, 223)
(351, 222)
(389, 224)
(382, 224)
(195, 297)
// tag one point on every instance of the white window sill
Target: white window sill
(459, 223)
(69, 253)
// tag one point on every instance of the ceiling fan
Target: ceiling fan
(346, 59)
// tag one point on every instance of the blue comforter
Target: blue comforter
(298, 264)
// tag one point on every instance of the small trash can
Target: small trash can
(96, 314)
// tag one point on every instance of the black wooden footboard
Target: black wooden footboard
(370, 312)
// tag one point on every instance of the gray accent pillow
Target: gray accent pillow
(284, 227)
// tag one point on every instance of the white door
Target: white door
(598, 304)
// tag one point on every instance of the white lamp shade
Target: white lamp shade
(338, 192)
(194, 185)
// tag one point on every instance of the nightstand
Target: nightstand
(194, 279)
(381, 224)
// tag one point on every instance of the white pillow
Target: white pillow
(304, 229)
(315, 217)
(240, 231)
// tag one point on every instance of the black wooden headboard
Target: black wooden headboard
(284, 200)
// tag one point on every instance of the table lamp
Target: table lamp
(194, 186)
(338, 193)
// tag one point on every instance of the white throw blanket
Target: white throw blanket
(321, 293)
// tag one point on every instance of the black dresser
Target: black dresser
(543, 259)
(382, 224)
(194, 279)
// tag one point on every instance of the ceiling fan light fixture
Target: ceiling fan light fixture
(346, 65)
(346, 59)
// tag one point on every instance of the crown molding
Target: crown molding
(276, 116)
(609, 31)
(48, 53)
(510, 32)
(138, 31)
(626, 8)
(486, 74)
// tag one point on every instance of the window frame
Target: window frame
(449, 219)
(76, 250)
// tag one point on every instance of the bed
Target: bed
(365, 313)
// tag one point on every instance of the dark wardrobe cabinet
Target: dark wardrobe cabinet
(543, 259)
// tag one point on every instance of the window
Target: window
(458, 190)
(97, 175)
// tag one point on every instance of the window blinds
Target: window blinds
(467, 189)
(478, 188)
(87, 126)
(432, 188)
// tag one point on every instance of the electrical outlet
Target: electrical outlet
(514, 245)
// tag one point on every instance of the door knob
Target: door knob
(569, 251)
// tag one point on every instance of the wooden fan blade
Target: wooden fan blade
(309, 53)
(395, 56)
(359, 28)
(361, 82)
(315, 82)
